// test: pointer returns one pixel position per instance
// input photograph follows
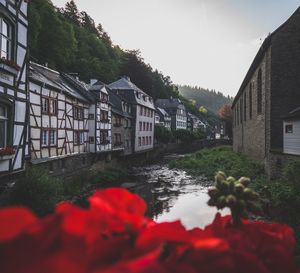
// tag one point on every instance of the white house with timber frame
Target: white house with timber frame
(58, 116)
(99, 117)
(13, 86)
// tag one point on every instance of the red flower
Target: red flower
(113, 236)
(14, 221)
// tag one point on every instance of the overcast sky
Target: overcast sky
(209, 43)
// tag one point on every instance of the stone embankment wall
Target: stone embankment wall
(71, 166)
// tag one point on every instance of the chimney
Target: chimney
(93, 81)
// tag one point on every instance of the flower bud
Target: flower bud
(231, 200)
(245, 181)
(250, 194)
(230, 179)
(239, 188)
(221, 202)
(220, 177)
(213, 191)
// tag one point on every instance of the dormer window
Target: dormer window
(5, 39)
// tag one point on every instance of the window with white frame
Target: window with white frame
(52, 137)
(3, 125)
(49, 137)
(5, 39)
(49, 106)
(45, 105)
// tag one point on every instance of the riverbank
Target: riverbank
(281, 197)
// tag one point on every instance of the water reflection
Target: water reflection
(172, 195)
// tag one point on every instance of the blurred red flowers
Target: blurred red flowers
(113, 236)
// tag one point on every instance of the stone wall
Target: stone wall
(250, 133)
(276, 162)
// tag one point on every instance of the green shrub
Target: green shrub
(38, 191)
(162, 134)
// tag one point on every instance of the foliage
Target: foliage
(187, 136)
(113, 235)
(69, 40)
(162, 134)
(235, 194)
(209, 161)
(225, 113)
(108, 176)
(282, 196)
(210, 99)
(38, 191)
(202, 110)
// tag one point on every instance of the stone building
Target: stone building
(121, 124)
(175, 108)
(13, 87)
(142, 109)
(269, 91)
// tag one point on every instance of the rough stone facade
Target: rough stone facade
(250, 131)
(278, 59)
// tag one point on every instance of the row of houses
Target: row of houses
(51, 116)
(172, 114)
(266, 119)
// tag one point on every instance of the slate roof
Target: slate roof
(53, 79)
(293, 114)
(128, 90)
(168, 103)
(259, 56)
(116, 104)
(162, 112)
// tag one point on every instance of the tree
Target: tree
(202, 110)
(193, 102)
(88, 23)
(71, 13)
(225, 114)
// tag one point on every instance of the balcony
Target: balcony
(105, 142)
(104, 120)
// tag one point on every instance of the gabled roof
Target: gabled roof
(130, 92)
(259, 56)
(116, 104)
(53, 79)
(97, 86)
(168, 103)
(162, 111)
(82, 87)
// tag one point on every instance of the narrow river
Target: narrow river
(172, 194)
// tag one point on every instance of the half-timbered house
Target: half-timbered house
(99, 118)
(13, 85)
(58, 116)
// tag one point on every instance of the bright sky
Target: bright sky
(209, 43)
